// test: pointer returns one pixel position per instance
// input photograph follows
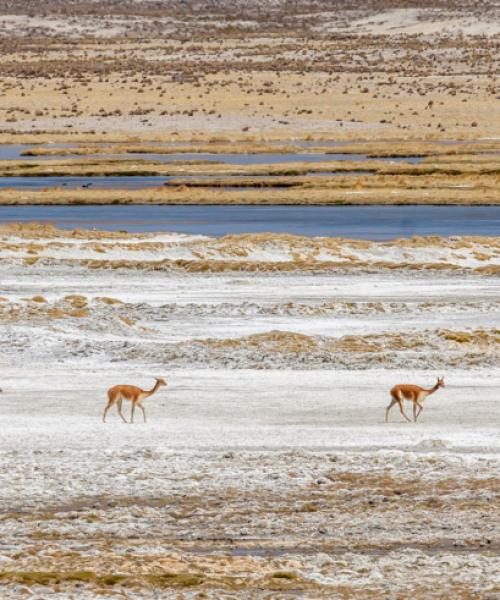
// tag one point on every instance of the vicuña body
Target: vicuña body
(411, 393)
(119, 393)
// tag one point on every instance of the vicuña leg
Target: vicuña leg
(119, 406)
(420, 409)
(143, 411)
(391, 404)
(108, 406)
(400, 402)
(132, 411)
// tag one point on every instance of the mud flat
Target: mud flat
(265, 468)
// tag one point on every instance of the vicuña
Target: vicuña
(412, 393)
(119, 393)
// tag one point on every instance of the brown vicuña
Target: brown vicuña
(134, 394)
(412, 393)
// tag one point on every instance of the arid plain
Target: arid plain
(265, 469)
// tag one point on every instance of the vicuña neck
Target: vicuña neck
(153, 389)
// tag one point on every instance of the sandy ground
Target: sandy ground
(225, 109)
(265, 469)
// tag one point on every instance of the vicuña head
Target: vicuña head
(134, 394)
(411, 393)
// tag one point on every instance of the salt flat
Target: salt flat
(265, 469)
(247, 409)
(240, 476)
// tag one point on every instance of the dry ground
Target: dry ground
(225, 494)
(239, 487)
(253, 69)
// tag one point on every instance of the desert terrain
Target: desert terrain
(265, 469)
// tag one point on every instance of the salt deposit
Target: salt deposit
(265, 464)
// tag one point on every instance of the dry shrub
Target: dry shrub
(79, 314)
(76, 300)
(56, 313)
(108, 300)
(478, 337)
(128, 321)
(272, 341)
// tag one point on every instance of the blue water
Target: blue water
(363, 222)
(135, 182)
(14, 152)
(265, 158)
(125, 182)
(34, 183)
